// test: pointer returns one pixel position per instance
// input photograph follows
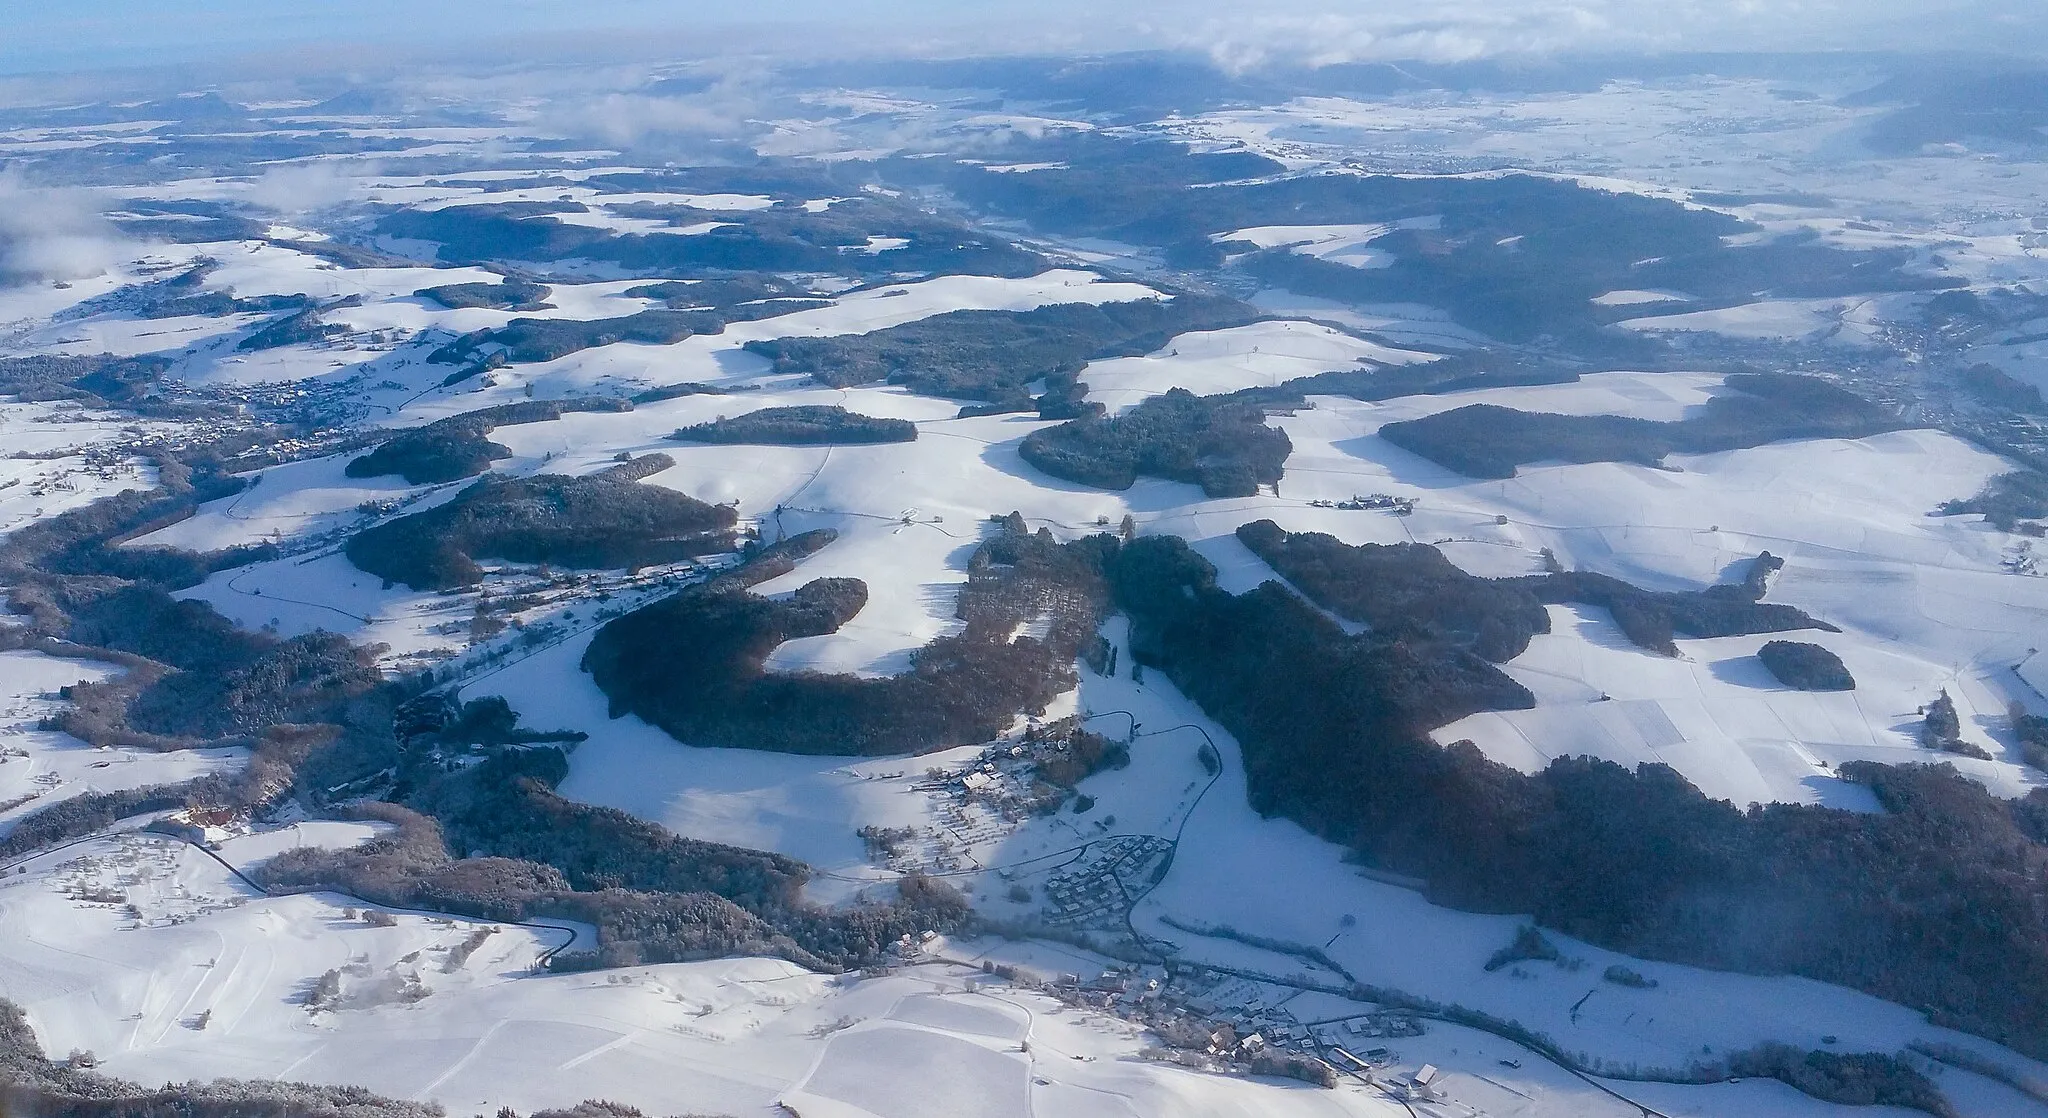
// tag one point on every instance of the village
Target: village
(1372, 502)
(1007, 783)
(1226, 1022)
(1206, 1018)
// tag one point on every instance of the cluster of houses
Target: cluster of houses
(983, 802)
(205, 826)
(1005, 777)
(2022, 560)
(1099, 888)
(1232, 1024)
(1375, 502)
(107, 463)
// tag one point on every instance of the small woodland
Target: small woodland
(601, 520)
(992, 356)
(804, 425)
(692, 663)
(1217, 442)
(1490, 441)
(1805, 667)
(458, 447)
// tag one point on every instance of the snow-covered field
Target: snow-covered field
(150, 956)
(1849, 322)
(1340, 244)
(1269, 877)
(1257, 356)
(1629, 298)
(1924, 602)
(62, 457)
(40, 767)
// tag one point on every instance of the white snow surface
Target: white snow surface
(58, 458)
(1259, 355)
(1339, 244)
(1632, 298)
(1847, 322)
(40, 767)
(210, 978)
(1922, 601)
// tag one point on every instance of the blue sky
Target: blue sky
(38, 35)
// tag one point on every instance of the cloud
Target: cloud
(661, 111)
(305, 187)
(1446, 32)
(53, 234)
(624, 119)
(1319, 34)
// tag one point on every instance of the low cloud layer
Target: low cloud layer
(627, 119)
(1461, 30)
(48, 234)
(306, 187)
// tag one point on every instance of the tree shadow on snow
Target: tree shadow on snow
(1745, 671)
(1403, 466)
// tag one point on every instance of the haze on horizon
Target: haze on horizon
(206, 35)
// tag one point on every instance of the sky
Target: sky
(38, 36)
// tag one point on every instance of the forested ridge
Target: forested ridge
(1220, 443)
(992, 356)
(1490, 441)
(692, 663)
(803, 425)
(1937, 902)
(457, 447)
(606, 519)
(1411, 591)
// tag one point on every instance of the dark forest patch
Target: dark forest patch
(601, 520)
(1459, 372)
(102, 378)
(1807, 667)
(1490, 441)
(993, 355)
(1410, 591)
(457, 447)
(526, 340)
(1937, 902)
(781, 238)
(297, 328)
(1217, 442)
(726, 291)
(2000, 389)
(2006, 500)
(803, 425)
(510, 295)
(545, 339)
(692, 663)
